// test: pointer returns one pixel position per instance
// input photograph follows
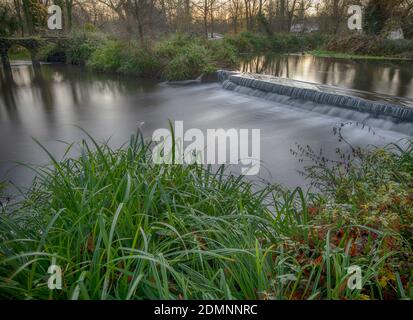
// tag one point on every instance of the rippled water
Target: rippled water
(47, 103)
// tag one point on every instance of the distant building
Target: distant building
(305, 27)
(396, 34)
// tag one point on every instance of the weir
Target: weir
(271, 88)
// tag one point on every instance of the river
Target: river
(49, 103)
(393, 78)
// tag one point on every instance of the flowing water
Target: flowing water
(49, 103)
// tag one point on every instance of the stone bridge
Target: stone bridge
(32, 44)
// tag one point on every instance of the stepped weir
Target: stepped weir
(271, 88)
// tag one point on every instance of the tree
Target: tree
(35, 16)
(9, 23)
(377, 14)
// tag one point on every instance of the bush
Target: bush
(371, 45)
(139, 62)
(171, 47)
(188, 63)
(395, 47)
(82, 46)
(222, 53)
(107, 57)
(248, 42)
(187, 57)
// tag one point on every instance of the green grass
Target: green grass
(19, 53)
(121, 227)
(342, 55)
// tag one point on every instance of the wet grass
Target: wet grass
(121, 227)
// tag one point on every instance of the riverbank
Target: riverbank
(179, 57)
(185, 57)
(341, 55)
(354, 46)
(370, 47)
(121, 227)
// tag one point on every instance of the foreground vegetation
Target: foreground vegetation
(122, 227)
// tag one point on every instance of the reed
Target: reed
(121, 227)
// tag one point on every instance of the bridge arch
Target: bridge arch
(31, 44)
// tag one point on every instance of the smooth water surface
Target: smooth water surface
(393, 78)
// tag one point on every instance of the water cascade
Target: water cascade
(278, 89)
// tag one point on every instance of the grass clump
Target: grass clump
(223, 54)
(139, 62)
(187, 57)
(183, 57)
(189, 63)
(107, 57)
(81, 46)
(121, 227)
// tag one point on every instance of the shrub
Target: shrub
(183, 57)
(248, 42)
(171, 47)
(189, 63)
(107, 57)
(395, 47)
(222, 53)
(370, 45)
(82, 46)
(139, 62)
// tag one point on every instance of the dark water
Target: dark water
(47, 103)
(389, 78)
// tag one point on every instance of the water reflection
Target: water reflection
(389, 78)
(28, 88)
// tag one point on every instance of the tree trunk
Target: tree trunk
(211, 13)
(336, 16)
(28, 19)
(282, 15)
(19, 16)
(69, 15)
(139, 22)
(206, 18)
